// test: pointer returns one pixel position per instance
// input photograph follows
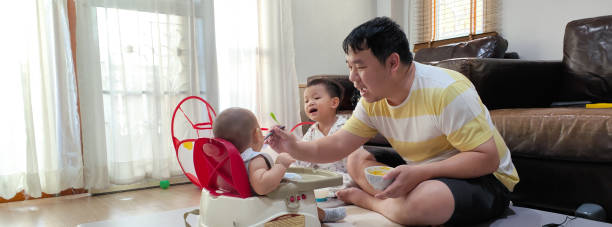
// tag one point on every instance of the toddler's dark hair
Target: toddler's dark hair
(333, 88)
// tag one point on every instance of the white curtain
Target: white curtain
(137, 60)
(41, 148)
(277, 83)
(255, 56)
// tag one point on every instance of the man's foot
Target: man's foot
(334, 214)
(353, 196)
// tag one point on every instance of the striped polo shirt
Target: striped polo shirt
(441, 116)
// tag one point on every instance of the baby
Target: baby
(240, 127)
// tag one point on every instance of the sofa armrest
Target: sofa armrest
(510, 83)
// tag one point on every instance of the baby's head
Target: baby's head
(240, 127)
(321, 99)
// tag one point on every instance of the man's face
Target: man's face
(368, 75)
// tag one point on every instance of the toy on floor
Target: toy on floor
(194, 120)
(164, 184)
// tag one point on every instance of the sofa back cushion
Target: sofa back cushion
(486, 47)
(509, 83)
(587, 60)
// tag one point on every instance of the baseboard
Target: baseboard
(138, 186)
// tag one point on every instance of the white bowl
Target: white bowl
(374, 175)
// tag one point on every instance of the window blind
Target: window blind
(448, 19)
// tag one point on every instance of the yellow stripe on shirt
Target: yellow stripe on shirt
(420, 151)
(471, 134)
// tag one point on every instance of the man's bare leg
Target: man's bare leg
(430, 203)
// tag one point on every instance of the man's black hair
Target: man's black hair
(333, 88)
(383, 36)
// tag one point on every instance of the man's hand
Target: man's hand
(407, 177)
(284, 159)
(281, 141)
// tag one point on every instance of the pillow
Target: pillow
(486, 47)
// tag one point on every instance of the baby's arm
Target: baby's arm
(264, 180)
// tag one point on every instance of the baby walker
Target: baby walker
(227, 199)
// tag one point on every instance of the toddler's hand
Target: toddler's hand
(284, 159)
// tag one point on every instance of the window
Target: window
(459, 20)
(138, 59)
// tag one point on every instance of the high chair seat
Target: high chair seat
(227, 199)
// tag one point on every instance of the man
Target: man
(458, 169)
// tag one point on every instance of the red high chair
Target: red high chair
(220, 169)
(227, 199)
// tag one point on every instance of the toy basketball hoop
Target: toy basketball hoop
(193, 118)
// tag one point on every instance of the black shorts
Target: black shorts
(476, 200)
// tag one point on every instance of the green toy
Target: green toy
(274, 118)
(164, 184)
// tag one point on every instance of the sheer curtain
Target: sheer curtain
(40, 139)
(137, 60)
(255, 56)
(277, 83)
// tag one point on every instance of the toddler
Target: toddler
(321, 100)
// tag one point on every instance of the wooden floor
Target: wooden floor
(83, 208)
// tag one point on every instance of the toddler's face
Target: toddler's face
(318, 104)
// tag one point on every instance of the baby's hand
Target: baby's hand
(284, 159)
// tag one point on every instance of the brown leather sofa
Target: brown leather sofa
(562, 151)
(563, 154)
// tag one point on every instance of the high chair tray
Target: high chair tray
(309, 180)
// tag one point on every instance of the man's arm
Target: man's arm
(327, 149)
(477, 162)
(480, 161)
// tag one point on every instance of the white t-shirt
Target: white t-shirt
(339, 167)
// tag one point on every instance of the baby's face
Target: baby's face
(318, 104)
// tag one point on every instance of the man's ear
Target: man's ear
(335, 102)
(393, 61)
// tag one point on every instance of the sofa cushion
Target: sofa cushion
(587, 58)
(510, 83)
(486, 47)
(574, 134)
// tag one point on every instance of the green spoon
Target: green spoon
(274, 118)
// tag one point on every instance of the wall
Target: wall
(535, 30)
(320, 26)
